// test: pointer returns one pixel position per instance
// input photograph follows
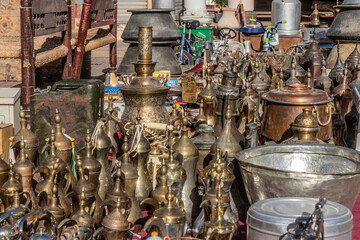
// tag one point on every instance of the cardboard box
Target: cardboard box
(6, 131)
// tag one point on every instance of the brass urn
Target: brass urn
(30, 139)
(145, 96)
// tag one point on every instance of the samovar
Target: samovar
(188, 155)
(114, 225)
(30, 139)
(102, 144)
(170, 219)
(305, 129)
(63, 143)
(145, 96)
(25, 169)
(284, 104)
(130, 176)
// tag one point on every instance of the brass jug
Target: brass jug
(25, 169)
(53, 205)
(10, 187)
(145, 96)
(323, 82)
(188, 155)
(208, 94)
(118, 193)
(115, 225)
(102, 146)
(63, 144)
(4, 171)
(16, 205)
(90, 163)
(82, 217)
(30, 139)
(130, 176)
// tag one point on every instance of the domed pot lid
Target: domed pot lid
(297, 94)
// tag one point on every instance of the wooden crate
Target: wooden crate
(6, 131)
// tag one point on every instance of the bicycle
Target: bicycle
(186, 55)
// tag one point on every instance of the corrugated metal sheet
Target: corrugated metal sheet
(124, 5)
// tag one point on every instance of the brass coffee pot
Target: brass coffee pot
(90, 163)
(53, 205)
(10, 187)
(293, 78)
(208, 94)
(115, 225)
(102, 144)
(323, 82)
(30, 139)
(305, 129)
(158, 195)
(117, 192)
(4, 171)
(25, 169)
(16, 204)
(218, 227)
(170, 218)
(130, 176)
(63, 144)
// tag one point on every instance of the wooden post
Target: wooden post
(113, 46)
(27, 55)
(149, 4)
(80, 45)
(67, 71)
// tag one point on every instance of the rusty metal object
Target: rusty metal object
(284, 104)
(30, 139)
(130, 176)
(90, 163)
(145, 97)
(305, 129)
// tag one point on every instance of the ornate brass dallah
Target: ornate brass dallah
(90, 163)
(188, 155)
(356, 81)
(249, 100)
(305, 129)
(343, 96)
(338, 69)
(102, 144)
(117, 193)
(25, 169)
(158, 195)
(228, 142)
(139, 155)
(82, 217)
(175, 173)
(53, 205)
(63, 144)
(10, 187)
(170, 218)
(16, 204)
(323, 82)
(257, 83)
(145, 96)
(130, 177)
(218, 227)
(115, 225)
(293, 78)
(30, 139)
(315, 20)
(208, 94)
(353, 59)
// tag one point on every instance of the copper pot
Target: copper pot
(284, 104)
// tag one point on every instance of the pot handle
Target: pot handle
(330, 110)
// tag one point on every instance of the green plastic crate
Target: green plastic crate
(201, 34)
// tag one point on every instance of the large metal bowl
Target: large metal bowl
(301, 170)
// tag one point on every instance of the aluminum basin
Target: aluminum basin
(301, 170)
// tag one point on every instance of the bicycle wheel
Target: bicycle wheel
(187, 58)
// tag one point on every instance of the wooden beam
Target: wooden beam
(149, 4)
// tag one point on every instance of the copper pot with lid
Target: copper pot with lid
(283, 105)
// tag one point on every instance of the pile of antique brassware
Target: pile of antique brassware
(187, 184)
